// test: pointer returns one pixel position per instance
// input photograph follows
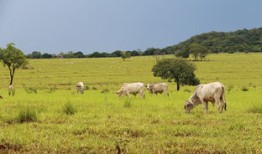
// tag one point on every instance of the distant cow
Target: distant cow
(11, 90)
(158, 88)
(80, 87)
(204, 93)
(132, 88)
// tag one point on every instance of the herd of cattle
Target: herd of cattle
(212, 92)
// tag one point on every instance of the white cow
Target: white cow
(204, 93)
(131, 88)
(158, 88)
(80, 87)
(11, 90)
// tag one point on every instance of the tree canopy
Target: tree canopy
(238, 41)
(177, 70)
(13, 58)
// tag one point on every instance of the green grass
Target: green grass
(105, 123)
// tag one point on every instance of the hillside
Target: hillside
(240, 40)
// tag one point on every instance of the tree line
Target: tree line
(96, 54)
(199, 46)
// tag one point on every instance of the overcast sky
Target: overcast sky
(54, 26)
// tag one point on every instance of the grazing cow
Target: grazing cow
(11, 90)
(204, 93)
(132, 88)
(158, 88)
(80, 87)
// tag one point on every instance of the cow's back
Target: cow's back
(210, 89)
(134, 87)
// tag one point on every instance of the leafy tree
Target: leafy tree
(13, 58)
(125, 54)
(116, 53)
(177, 70)
(47, 55)
(78, 54)
(136, 53)
(198, 51)
(240, 40)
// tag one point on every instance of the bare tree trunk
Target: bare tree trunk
(12, 73)
(177, 86)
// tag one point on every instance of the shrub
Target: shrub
(105, 91)
(30, 90)
(27, 115)
(94, 88)
(244, 88)
(69, 109)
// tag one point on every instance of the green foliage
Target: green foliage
(27, 115)
(177, 70)
(31, 90)
(240, 40)
(13, 58)
(69, 109)
(125, 54)
(198, 51)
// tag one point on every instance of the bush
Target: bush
(105, 91)
(244, 88)
(69, 109)
(27, 115)
(30, 90)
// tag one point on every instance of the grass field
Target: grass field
(101, 122)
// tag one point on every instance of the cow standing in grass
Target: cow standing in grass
(131, 88)
(204, 93)
(158, 88)
(80, 87)
(11, 90)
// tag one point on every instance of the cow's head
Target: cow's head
(148, 86)
(188, 106)
(120, 92)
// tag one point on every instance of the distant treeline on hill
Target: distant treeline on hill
(238, 41)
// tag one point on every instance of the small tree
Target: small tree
(125, 54)
(13, 58)
(198, 51)
(177, 70)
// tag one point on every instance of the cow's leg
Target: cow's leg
(142, 94)
(205, 105)
(220, 103)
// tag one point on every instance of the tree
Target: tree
(177, 70)
(47, 55)
(198, 51)
(125, 54)
(36, 54)
(13, 58)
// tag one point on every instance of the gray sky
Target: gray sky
(107, 25)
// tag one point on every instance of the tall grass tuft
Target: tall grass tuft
(27, 115)
(69, 109)
(127, 103)
(255, 109)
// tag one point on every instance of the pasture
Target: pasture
(100, 122)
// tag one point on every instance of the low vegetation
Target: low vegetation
(98, 121)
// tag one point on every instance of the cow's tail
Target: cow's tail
(224, 98)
